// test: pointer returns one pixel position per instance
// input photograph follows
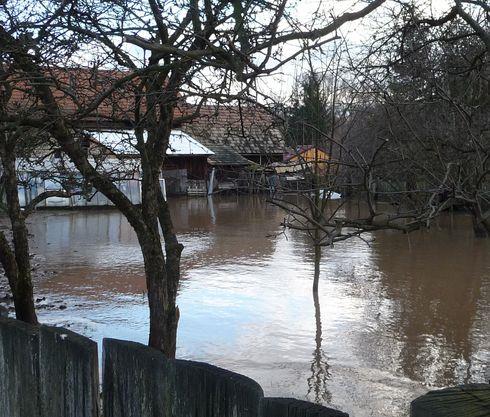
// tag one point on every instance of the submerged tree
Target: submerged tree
(311, 116)
(430, 85)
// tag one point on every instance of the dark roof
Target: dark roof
(224, 155)
(249, 130)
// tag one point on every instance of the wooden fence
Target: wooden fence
(53, 372)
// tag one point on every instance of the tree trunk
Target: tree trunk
(157, 293)
(17, 266)
(173, 251)
(172, 313)
(162, 279)
(162, 268)
(318, 257)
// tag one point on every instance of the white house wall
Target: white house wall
(130, 188)
(46, 162)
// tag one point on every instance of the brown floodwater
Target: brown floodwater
(393, 319)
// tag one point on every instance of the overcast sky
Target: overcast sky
(355, 34)
(310, 13)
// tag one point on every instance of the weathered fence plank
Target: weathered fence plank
(47, 372)
(134, 382)
(68, 371)
(141, 382)
(289, 407)
(203, 390)
(19, 369)
(466, 400)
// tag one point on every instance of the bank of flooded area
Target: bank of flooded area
(394, 318)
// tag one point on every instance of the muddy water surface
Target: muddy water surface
(392, 320)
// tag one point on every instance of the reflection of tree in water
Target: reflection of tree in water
(320, 369)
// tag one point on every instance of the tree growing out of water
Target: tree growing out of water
(156, 55)
(311, 116)
(414, 137)
(429, 83)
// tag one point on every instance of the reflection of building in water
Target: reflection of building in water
(431, 300)
(96, 252)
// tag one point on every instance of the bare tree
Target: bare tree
(428, 82)
(162, 53)
(18, 143)
(353, 160)
(474, 13)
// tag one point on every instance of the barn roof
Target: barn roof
(91, 94)
(247, 130)
(105, 99)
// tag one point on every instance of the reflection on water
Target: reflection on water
(320, 374)
(397, 317)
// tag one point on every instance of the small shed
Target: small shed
(305, 158)
(228, 167)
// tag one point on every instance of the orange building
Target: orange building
(307, 157)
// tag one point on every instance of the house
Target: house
(223, 142)
(185, 173)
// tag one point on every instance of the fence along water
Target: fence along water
(53, 372)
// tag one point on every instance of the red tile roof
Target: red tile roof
(247, 129)
(76, 89)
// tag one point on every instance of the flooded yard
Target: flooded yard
(393, 319)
